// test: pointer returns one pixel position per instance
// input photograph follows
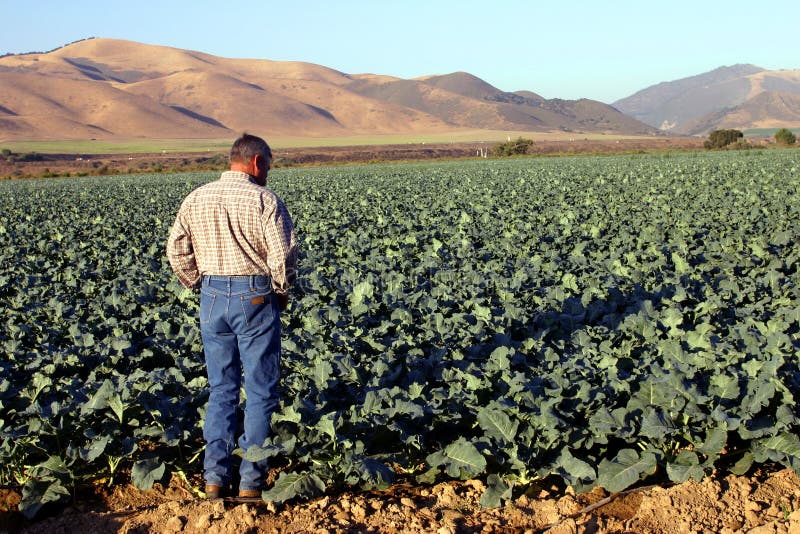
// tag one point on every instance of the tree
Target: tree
(513, 148)
(785, 137)
(722, 138)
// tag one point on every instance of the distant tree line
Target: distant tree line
(735, 139)
(13, 157)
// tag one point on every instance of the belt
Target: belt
(252, 278)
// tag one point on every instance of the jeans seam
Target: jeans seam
(211, 297)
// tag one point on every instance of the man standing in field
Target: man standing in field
(233, 239)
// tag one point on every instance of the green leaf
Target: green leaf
(361, 292)
(359, 309)
(626, 469)
(95, 448)
(744, 464)
(715, 441)
(685, 466)
(99, 401)
(326, 426)
(672, 319)
(146, 472)
(287, 414)
(55, 464)
(570, 281)
(461, 459)
(484, 313)
(428, 477)
(655, 424)
(724, 386)
(37, 493)
(698, 338)
(759, 395)
(499, 359)
(120, 343)
(785, 443)
(404, 407)
(321, 373)
(372, 473)
(255, 453)
(681, 265)
(115, 403)
(574, 470)
(496, 424)
(291, 485)
(88, 340)
(496, 491)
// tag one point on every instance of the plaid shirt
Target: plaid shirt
(233, 227)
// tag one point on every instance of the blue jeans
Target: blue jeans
(241, 331)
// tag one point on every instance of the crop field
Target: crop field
(603, 320)
(138, 146)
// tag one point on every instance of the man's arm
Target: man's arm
(282, 246)
(181, 255)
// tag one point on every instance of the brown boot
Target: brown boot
(249, 494)
(214, 492)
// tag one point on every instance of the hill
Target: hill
(109, 88)
(697, 104)
(770, 109)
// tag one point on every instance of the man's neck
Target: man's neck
(240, 167)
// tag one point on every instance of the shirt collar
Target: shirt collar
(237, 176)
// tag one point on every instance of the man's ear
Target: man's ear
(263, 162)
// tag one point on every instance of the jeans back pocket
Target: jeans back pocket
(258, 308)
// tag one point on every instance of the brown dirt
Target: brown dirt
(98, 164)
(760, 504)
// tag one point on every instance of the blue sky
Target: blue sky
(577, 49)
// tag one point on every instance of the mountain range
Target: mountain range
(739, 97)
(108, 88)
(114, 89)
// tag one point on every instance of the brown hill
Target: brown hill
(530, 95)
(107, 88)
(464, 100)
(464, 84)
(32, 108)
(769, 109)
(684, 105)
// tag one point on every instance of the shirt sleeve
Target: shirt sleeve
(282, 245)
(180, 254)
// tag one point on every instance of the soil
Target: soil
(50, 165)
(759, 504)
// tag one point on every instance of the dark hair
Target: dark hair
(247, 146)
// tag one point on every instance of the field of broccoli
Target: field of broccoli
(604, 320)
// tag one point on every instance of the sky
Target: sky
(603, 50)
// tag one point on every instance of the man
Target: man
(234, 240)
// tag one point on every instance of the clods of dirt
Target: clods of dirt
(761, 504)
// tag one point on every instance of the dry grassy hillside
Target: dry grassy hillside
(108, 88)
(766, 110)
(775, 80)
(722, 98)
(33, 106)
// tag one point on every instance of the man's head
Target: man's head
(251, 155)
